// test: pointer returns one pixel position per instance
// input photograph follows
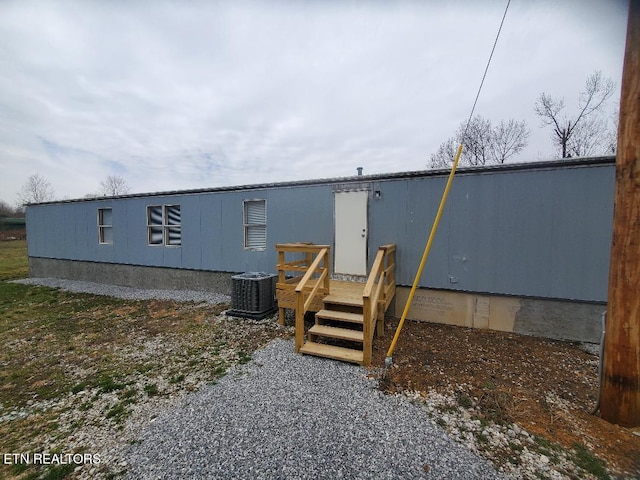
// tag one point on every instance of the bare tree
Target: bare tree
(573, 135)
(483, 143)
(589, 137)
(113, 185)
(509, 138)
(476, 138)
(36, 189)
(612, 134)
(443, 157)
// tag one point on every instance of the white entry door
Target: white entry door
(350, 213)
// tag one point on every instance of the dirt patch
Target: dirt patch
(549, 388)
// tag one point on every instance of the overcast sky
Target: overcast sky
(174, 95)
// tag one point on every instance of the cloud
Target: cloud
(174, 95)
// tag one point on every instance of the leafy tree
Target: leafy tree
(584, 133)
(484, 143)
(35, 190)
(113, 185)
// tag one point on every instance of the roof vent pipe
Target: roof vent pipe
(359, 170)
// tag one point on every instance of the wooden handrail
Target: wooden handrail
(315, 268)
(309, 266)
(378, 291)
(307, 276)
(375, 269)
(311, 270)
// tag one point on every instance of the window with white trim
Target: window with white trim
(164, 225)
(105, 226)
(255, 224)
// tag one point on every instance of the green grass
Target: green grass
(38, 326)
(13, 260)
(177, 379)
(589, 462)
(54, 344)
(243, 357)
(107, 384)
(151, 389)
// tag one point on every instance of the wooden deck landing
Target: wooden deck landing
(347, 313)
(345, 292)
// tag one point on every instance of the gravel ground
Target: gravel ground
(292, 416)
(285, 415)
(128, 293)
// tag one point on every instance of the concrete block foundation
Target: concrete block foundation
(135, 276)
(556, 319)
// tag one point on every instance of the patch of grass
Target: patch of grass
(118, 411)
(107, 384)
(177, 379)
(129, 394)
(463, 400)
(243, 357)
(145, 368)
(59, 472)
(79, 387)
(86, 406)
(589, 462)
(14, 263)
(546, 445)
(515, 447)
(151, 389)
(18, 468)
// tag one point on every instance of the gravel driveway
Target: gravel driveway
(292, 416)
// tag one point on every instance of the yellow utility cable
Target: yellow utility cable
(425, 254)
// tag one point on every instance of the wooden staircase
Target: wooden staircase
(347, 312)
(338, 331)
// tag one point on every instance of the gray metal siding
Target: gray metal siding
(540, 232)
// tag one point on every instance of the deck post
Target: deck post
(366, 331)
(380, 320)
(299, 321)
(327, 266)
(281, 280)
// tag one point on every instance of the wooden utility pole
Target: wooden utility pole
(620, 390)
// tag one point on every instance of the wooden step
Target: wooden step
(343, 300)
(340, 333)
(333, 352)
(340, 316)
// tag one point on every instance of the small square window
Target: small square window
(164, 225)
(105, 226)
